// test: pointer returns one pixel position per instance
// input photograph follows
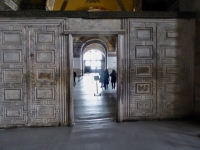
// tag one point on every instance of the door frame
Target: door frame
(121, 45)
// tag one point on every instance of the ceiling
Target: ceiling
(110, 5)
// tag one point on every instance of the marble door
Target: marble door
(160, 63)
(44, 73)
(173, 68)
(13, 81)
(143, 101)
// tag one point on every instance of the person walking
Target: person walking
(101, 79)
(113, 78)
(106, 79)
(74, 78)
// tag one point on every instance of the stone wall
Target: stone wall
(154, 65)
(160, 69)
(31, 91)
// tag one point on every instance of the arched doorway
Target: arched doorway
(93, 61)
(95, 44)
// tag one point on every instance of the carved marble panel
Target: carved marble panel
(47, 74)
(144, 34)
(11, 37)
(143, 88)
(13, 90)
(174, 76)
(142, 71)
(144, 106)
(45, 56)
(14, 115)
(12, 76)
(172, 107)
(13, 112)
(43, 38)
(45, 111)
(80, 24)
(44, 94)
(172, 51)
(12, 56)
(12, 94)
(44, 69)
(159, 68)
(172, 88)
(143, 51)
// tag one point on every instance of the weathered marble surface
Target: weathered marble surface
(94, 24)
(155, 75)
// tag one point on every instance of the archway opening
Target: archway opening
(94, 61)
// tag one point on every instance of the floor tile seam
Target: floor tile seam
(50, 141)
(137, 137)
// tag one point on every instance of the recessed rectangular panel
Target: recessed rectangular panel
(172, 88)
(45, 38)
(11, 38)
(172, 70)
(12, 56)
(171, 105)
(143, 88)
(144, 34)
(143, 105)
(143, 70)
(143, 51)
(172, 34)
(12, 94)
(44, 93)
(45, 111)
(45, 56)
(12, 76)
(45, 74)
(13, 112)
(172, 52)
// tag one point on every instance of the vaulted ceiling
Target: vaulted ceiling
(111, 5)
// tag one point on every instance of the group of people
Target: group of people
(104, 78)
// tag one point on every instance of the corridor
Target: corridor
(89, 106)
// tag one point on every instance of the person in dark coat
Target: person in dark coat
(101, 79)
(74, 78)
(106, 79)
(113, 78)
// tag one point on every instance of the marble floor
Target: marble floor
(95, 128)
(92, 102)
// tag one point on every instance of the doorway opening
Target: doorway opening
(91, 57)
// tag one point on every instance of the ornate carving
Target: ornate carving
(88, 24)
(143, 88)
(44, 75)
(32, 78)
(143, 70)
